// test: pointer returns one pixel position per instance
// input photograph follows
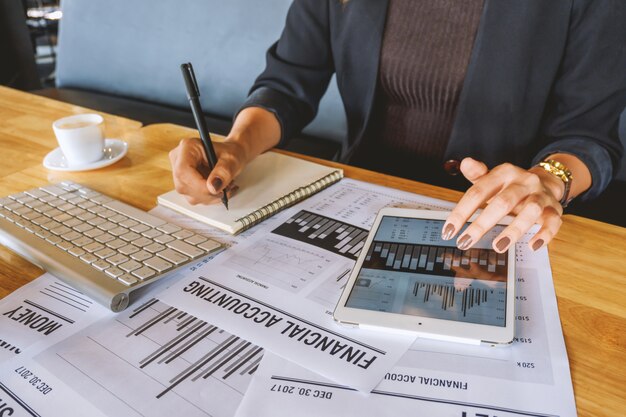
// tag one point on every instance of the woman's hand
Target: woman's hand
(192, 176)
(254, 131)
(531, 195)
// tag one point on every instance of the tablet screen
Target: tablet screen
(410, 270)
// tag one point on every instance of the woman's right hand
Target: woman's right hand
(193, 178)
(254, 131)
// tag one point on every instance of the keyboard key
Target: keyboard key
(106, 226)
(86, 204)
(169, 228)
(152, 233)
(53, 239)
(73, 222)
(183, 234)
(116, 244)
(44, 234)
(164, 238)
(140, 256)
(94, 233)
(96, 209)
(140, 228)
(142, 241)
(86, 216)
(127, 279)
(36, 193)
(186, 248)
(76, 251)
(64, 244)
(53, 189)
(130, 236)
(210, 245)
(130, 223)
(134, 213)
(114, 272)
(117, 218)
(101, 264)
(130, 265)
(50, 225)
(96, 221)
(82, 241)
(83, 227)
(101, 199)
(61, 230)
(71, 235)
(196, 239)
(88, 258)
(144, 273)
(172, 256)
(62, 217)
(128, 249)
(154, 247)
(105, 253)
(158, 264)
(118, 231)
(93, 247)
(117, 259)
(105, 238)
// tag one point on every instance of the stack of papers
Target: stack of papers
(250, 333)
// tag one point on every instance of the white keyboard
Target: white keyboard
(101, 246)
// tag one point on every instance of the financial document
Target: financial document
(150, 360)
(529, 378)
(278, 287)
(41, 313)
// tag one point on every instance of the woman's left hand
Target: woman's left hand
(531, 195)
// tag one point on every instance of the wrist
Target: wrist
(551, 182)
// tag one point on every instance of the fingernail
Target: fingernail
(538, 244)
(217, 183)
(503, 244)
(448, 232)
(464, 242)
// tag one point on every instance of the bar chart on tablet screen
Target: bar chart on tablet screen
(171, 363)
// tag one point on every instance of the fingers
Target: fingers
(229, 165)
(550, 225)
(473, 169)
(507, 189)
(195, 180)
(483, 189)
(187, 161)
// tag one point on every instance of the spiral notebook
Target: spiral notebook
(269, 184)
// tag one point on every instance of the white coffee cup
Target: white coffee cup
(81, 138)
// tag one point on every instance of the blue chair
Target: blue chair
(124, 56)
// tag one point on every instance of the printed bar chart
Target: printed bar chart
(323, 232)
(170, 362)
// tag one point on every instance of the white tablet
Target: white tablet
(408, 279)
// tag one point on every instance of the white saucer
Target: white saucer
(114, 150)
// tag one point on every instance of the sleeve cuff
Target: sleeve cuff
(278, 103)
(596, 158)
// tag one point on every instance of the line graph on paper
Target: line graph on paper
(284, 264)
(156, 360)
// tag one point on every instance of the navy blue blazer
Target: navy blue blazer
(543, 77)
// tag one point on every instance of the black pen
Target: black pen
(193, 94)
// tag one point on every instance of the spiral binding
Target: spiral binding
(289, 200)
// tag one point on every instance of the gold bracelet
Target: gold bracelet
(560, 171)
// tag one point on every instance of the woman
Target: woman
(531, 88)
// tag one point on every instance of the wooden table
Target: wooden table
(587, 257)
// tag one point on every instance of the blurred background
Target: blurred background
(28, 39)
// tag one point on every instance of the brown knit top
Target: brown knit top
(425, 52)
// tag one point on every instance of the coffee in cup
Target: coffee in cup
(81, 138)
